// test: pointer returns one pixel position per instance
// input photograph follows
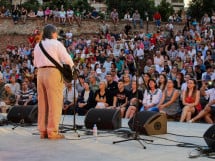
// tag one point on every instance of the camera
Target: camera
(210, 84)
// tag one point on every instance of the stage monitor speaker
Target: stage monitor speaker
(209, 137)
(149, 123)
(105, 119)
(23, 114)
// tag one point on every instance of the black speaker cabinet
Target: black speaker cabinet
(149, 123)
(105, 119)
(23, 114)
(209, 137)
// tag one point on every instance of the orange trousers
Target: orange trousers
(50, 99)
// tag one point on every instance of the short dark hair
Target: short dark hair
(48, 30)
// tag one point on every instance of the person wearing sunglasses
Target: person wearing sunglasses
(152, 97)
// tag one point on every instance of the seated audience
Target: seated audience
(8, 99)
(208, 113)
(114, 16)
(137, 18)
(24, 95)
(151, 97)
(169, 103)
(190, 100)
(135, 100)
(70, 96)
(102, 96)
(86, 100)
(95, 14)
(120, 99)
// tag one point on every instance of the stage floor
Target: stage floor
(23, 144)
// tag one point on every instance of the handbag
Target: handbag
(66, 70)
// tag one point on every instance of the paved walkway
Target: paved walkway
(23, 144)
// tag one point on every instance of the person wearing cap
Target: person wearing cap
(50, 83)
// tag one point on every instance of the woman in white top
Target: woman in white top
(62, 15)
(152, 97)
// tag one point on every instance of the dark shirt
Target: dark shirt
(112, 88)
(121, 97)
(106, 95)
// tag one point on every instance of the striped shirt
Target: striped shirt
(25, 95)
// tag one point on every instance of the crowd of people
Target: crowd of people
(168, 70)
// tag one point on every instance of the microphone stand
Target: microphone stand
(74, 127)
(136, 123)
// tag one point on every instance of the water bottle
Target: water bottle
(95, 132)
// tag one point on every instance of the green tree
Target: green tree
(5, 3)
(130, 5)
(165, 9)
(197, 8)
(31, 5)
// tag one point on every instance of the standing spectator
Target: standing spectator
(114, 16)
(157, 19)
(137, 18)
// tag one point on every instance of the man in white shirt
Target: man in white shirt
(50, 83)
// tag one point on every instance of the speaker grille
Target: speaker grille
(209, 137)
(24, 114)
(103, 118)
(149, 123)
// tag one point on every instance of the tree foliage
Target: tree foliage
(165, 9)
(81, 4)
(5, 3)
(198, 8)
(123, 6)
(31, 5)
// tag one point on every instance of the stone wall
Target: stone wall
(16, 34)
